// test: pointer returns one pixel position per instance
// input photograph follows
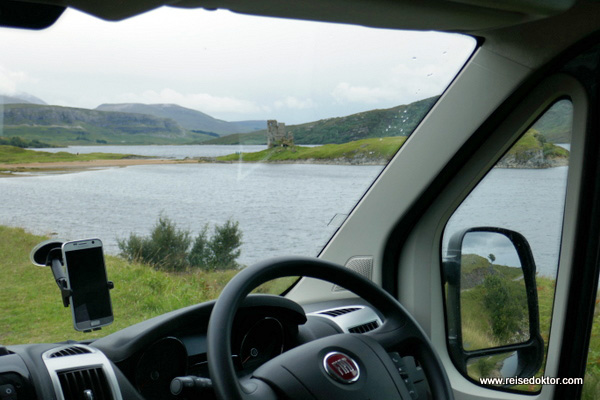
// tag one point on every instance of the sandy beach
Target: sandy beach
(73, 166)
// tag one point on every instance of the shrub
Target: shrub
(221, 251)
(168, 247)
(225, 245)
(165, 249)
(507, 305)
(201, 253)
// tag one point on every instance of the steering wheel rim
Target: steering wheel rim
(399, 332)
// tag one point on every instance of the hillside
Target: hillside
(18, 155)
(68, 126)
(555, 124)
(20, 98)
(189, 119)
(374, 151)
(533, 151)
(396, 121)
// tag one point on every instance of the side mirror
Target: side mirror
(492, 304)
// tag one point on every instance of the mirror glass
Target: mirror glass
(493, 296)
(504, 365)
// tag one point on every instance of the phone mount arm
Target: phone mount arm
(54, 261)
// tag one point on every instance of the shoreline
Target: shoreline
(20, 169)
(61, 167)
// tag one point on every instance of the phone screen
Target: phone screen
(90, 299)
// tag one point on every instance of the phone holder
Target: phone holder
(49, 254)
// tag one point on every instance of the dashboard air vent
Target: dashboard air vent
(369, 326)
(69, 351)
(339, 311)
(82, 383)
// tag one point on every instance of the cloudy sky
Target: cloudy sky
(229, 66)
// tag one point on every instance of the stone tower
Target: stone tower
(277, 135)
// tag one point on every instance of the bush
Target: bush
(165, 249)
(506, 302)
(221, 251)
(168, 247)
(225, 245)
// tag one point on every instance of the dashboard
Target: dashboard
(166, 357)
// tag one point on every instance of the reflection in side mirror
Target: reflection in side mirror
(492, 285)
(491, 299)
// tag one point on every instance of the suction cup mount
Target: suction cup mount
(49, 254)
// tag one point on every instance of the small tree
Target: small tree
(225, 245)
(220, 251)
(170, 245)
(507, 307)
(200, 253)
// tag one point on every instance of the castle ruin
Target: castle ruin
(277, 135)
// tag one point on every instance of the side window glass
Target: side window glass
(500, 258)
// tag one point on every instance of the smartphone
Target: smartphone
(86, 277)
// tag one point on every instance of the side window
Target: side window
(500, 257)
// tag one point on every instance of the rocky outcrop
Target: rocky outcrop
(77, 118)
(533, 158)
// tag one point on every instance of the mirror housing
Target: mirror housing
(530, 353)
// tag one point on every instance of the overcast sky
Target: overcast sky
(230, 66)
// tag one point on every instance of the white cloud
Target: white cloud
(344, 93)
(400, 84)
(294, 103)
(10, 80)
(199, 101)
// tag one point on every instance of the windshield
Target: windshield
(192, 144)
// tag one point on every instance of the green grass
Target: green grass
(377, 150)
(531, 142)
(17, 155)
(32, 310)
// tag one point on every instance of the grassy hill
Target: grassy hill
(556, 123)
(396, 121)
(533, 151)
(366, 151)
(18, 155)
(77, 126)
(192, 120)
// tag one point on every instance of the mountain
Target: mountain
(20, 98)
(250, 126)
(556, 123)
(186, 117)
(396, 121)
(65, 125)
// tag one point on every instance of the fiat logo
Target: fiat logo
(341, 367)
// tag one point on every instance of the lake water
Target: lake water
(282, 209)
(167, 151)
(529, 201)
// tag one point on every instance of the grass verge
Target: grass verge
(17, 155)
(374, 151)
(32, 310)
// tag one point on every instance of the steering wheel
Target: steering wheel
(364, 368)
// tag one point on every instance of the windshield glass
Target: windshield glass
(192, 144)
